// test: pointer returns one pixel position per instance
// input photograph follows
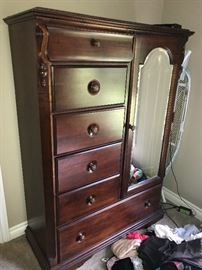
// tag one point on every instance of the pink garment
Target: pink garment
(137, 235)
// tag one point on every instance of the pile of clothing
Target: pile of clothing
(160, 247)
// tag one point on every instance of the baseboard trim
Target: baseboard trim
(4, 230)
(174, 198)
(18, 230)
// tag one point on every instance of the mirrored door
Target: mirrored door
(152, 95)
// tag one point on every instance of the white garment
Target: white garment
(187, 233)
(137, 263)
(164, 231)
(194, 236)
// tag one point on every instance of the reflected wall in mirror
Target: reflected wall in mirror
(150, 112)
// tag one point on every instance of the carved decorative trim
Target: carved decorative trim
(44, 64)
(44, 44)
(43, 74)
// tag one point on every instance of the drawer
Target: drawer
(68, 45)
(87, 87)
(82, 130)
(84, 168)
(80, 202)
(81, 236)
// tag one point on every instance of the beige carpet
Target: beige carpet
(17, 254)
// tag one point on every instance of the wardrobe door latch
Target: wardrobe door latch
(131, 127)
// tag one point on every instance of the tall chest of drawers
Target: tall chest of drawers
(77, 80)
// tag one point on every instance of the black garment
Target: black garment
(155, 251)
(189, 253)
(194, 264)
(123, 264)
(187, 250)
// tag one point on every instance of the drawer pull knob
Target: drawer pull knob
(95, 43)
(93, 130)
(92, 166)
(90, 200)
(94, 87)
(80, 237)
(147, 204)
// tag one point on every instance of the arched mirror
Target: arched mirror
(150, 112)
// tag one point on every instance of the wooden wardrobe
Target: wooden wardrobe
(95, 101)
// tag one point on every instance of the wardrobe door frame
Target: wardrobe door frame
(144, 44)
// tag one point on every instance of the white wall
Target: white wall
(148, 11)
(188, 164)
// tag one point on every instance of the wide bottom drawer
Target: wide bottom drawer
(81, 236)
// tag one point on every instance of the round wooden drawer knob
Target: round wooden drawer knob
(95, 43)
(90, 200)
(92, 166)
(93, 130)
(94, 87)
(80, 237)
(147, 204)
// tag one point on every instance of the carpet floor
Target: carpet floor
(17, 254)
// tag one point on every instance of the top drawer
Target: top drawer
(68, 45)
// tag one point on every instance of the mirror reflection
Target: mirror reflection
(150, 111)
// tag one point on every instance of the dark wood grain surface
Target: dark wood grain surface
(72, 131)
(72, 87)
(85, 200)
(67, 45)
(73, 171)
(33, 123)
(98, 227)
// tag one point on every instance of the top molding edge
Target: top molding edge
(122, 26)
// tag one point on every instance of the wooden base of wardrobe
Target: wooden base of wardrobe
(73, 264)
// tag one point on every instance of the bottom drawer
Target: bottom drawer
(81, 236)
